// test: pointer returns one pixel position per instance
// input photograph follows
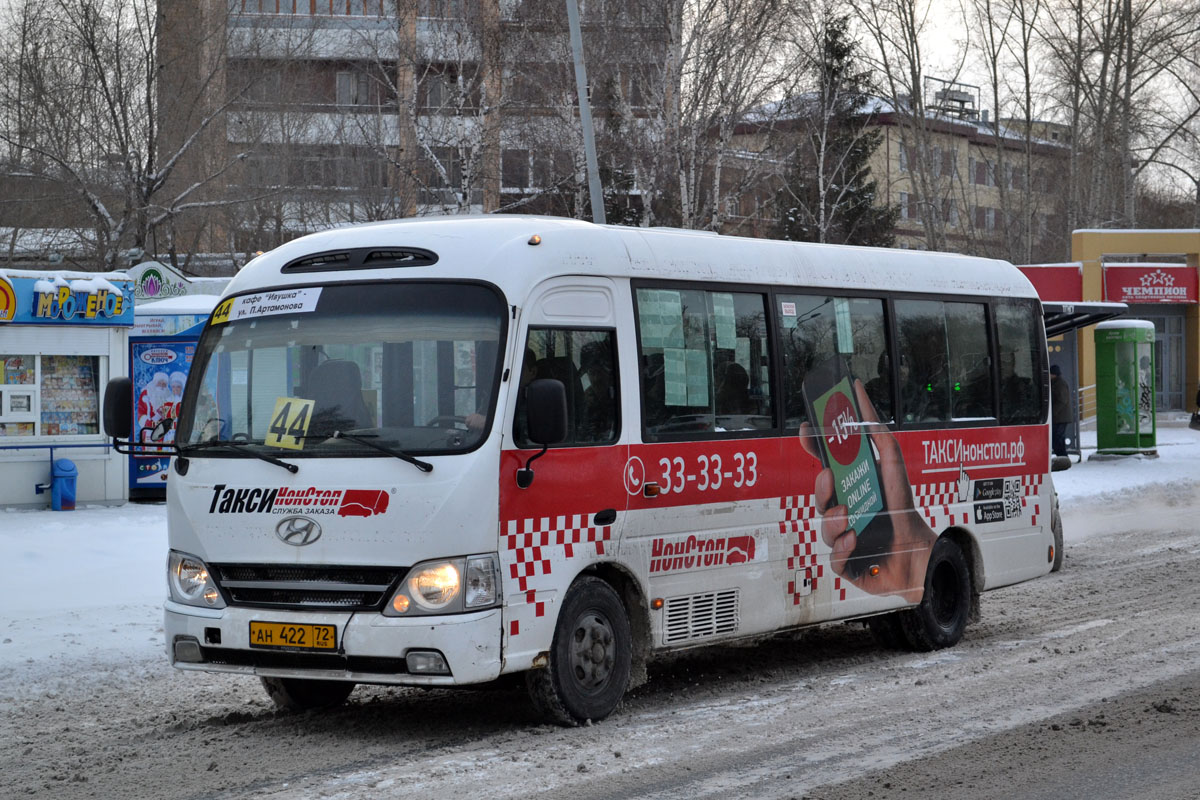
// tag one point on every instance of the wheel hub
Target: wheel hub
(592, 651)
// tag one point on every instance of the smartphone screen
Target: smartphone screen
(846, 450)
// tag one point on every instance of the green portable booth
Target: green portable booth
(1125, 388)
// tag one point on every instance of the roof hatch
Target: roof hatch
(362, 258)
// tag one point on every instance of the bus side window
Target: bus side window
(924, 371)
(705, 364)
(970, 366)
(1020, 363)
(816, 328)
(585, 362)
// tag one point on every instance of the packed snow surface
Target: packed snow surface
(89, 706)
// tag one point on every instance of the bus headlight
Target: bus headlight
(448, 586)
(435, 586)
(189, 582)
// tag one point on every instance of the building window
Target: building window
(49, 395)
(448, 87)
(514, 169)
(448, 9)
(353, 8)
(985, 218)
(353, 88)
(1017, 180)
(950, 213)
(910, 209)
(949, 163)
(982, 174)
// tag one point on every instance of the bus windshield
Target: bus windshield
(333, 370)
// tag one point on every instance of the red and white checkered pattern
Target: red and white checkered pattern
(1031, 489)
(800, 519)
(934, 501)
(942, 493)
(538, 543)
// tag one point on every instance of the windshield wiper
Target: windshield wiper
(424, 466)
(238, 447)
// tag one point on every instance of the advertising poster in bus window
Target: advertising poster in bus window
(159, 370)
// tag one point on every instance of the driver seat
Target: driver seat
(335, 386)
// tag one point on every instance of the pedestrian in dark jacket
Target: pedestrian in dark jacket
(1060, 411)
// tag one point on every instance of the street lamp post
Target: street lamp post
(585, 114)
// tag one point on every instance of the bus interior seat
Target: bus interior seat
(335, 386)
(562, 368)
(733, 391)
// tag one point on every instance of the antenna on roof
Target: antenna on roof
(952, 98)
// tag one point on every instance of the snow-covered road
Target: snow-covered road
(89, 707)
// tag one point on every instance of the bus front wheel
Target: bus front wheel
(941, 618)
(302, 694)
(590, 657)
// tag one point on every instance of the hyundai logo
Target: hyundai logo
(298, 531)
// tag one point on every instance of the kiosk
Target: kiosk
(161, 347)
(1125, 418)
(62, 336)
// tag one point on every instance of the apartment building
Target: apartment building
(962, 182)
(968, 184)
(335, 111)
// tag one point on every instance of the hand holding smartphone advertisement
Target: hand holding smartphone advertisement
(901, 560)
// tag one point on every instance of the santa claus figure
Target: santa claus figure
(151, 404)
(171, 407)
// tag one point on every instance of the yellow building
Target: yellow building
(1156, 272)
(981, 187)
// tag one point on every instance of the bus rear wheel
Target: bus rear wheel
(302, 694)
(1057, 529)
(590, 657)
(941, 618)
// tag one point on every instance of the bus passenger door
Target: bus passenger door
(572, 513)
(703, 531)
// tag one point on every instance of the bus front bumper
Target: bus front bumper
(370, 648)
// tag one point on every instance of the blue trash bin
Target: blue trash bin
(63, 473)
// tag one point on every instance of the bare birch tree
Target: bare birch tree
(898, 29)
(1119, 64)
(830, 194)
(89, 105)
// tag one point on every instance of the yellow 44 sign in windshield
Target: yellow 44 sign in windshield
(289, 423)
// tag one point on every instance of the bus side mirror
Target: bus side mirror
(546, 404)
(546, 412)
(118, 408)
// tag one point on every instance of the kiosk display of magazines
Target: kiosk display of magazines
(63, 334)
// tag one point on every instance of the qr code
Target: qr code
(1012, 498)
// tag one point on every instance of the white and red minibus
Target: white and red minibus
(433, 452)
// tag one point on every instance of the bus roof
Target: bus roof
(499, 249)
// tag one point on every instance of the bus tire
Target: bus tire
(941, 618)
(887, 631)
(303, 694)
(1057, 529)
(590, 657)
